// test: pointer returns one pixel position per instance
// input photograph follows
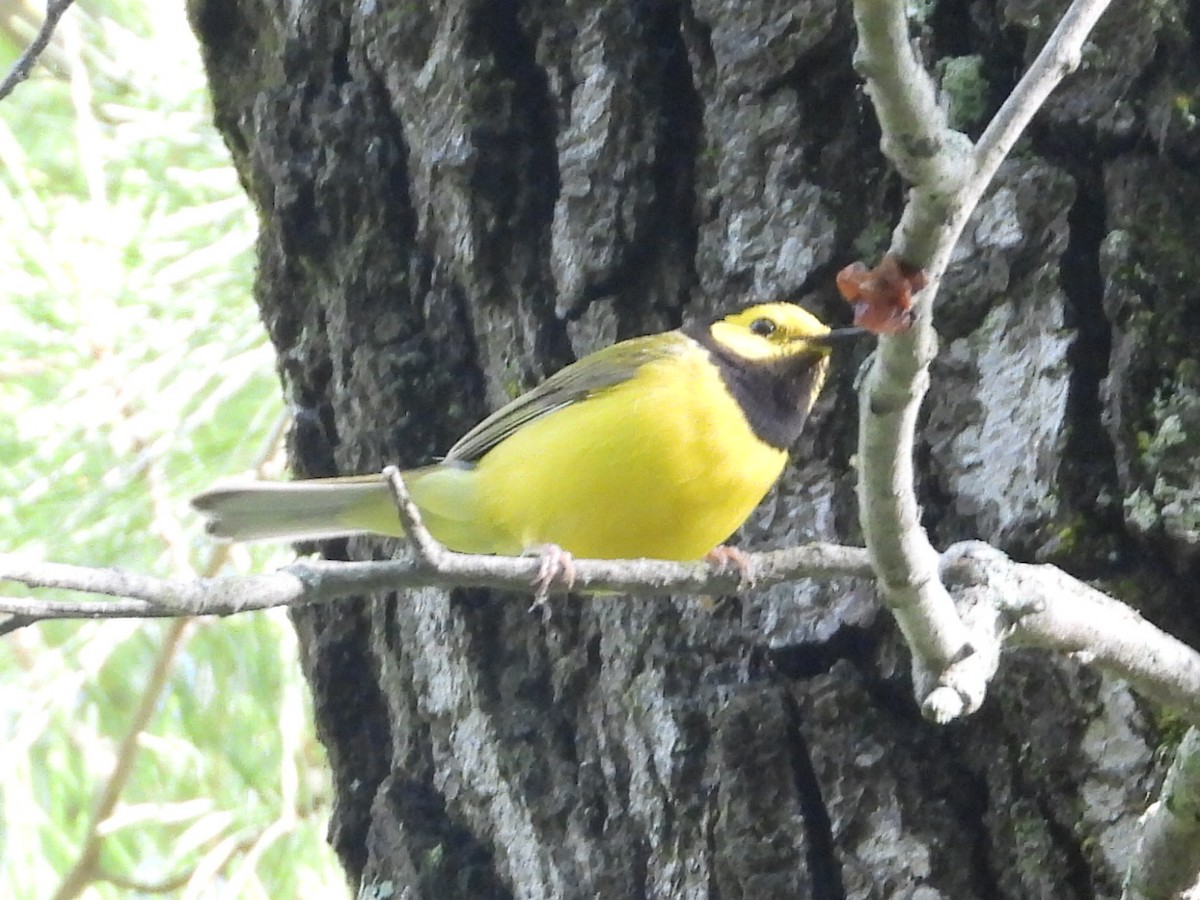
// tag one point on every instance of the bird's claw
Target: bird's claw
(724, 558)
(556, 565)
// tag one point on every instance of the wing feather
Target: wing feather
(594, 373)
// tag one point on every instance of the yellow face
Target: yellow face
(770, 331)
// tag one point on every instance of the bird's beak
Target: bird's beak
(840, 335)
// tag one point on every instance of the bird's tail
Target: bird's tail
(314, 509)
(317, 508)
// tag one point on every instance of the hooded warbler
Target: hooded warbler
(658, 446)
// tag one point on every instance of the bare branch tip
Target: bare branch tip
(944, 705)
(26, 61)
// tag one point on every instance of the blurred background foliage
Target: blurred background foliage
(141, 758)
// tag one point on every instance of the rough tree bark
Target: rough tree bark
(458, 198)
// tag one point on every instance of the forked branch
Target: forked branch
(948, 175)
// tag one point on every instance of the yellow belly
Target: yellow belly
(663, 465)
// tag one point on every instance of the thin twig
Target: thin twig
(9, 622)
(170, 885)
(426, 545)
(86, 868)
(1059, 57)
(25, 62)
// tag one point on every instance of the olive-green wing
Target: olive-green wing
(595, 372)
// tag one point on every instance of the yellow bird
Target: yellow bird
(658, 446)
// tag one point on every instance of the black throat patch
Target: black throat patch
(775, 396)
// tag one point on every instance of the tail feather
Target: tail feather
(298, 510)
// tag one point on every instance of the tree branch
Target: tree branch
(1016, 604)
(1001, 602)
(915, 137)
(944, 193)
(25, 62)
(933, 158)
(306, 583)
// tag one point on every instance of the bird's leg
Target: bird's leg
(556, 565)
(724, 558)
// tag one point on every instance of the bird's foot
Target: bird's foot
(556, 566)
(724, 558)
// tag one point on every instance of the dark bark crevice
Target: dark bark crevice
(439, 857)
(351, 717)
(822, 858)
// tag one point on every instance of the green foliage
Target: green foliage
(964, 90)
(133, 371)
(1168, 457)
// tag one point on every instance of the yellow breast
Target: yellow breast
(663, 465)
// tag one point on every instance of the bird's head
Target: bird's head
(774, 331)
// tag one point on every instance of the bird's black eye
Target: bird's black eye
(763, 327)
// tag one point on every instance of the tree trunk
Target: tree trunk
(457, 199)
